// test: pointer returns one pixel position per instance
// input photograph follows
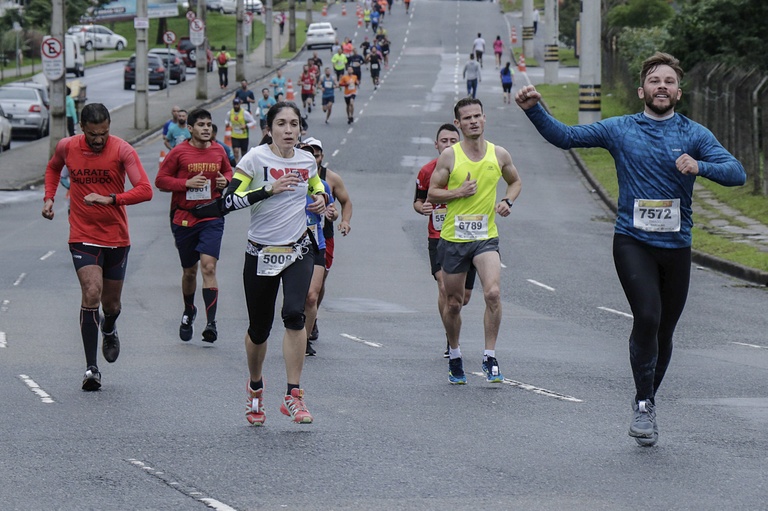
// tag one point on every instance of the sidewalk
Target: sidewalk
(24, 167)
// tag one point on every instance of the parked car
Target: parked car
(223, 6)
(254, 6)
(24, 107)
(97, 36)
(41, 87)
(172, 60)
(5, 131)
(189, 53)
(74, 60)
(320, 35)
(156, 72)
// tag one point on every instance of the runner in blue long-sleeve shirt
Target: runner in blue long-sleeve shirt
(658, 154)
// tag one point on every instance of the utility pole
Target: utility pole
(201, 60)
(291, 25)
(268, 40)
(141, 102)
(308, 18)
(589, 63)
(528, 29)
(551, 48)
(241, 41)
(58, 89)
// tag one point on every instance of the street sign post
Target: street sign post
(52, 52)
(197, 31)
(169, 38)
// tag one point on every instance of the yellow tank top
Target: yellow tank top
(473, 218)
(237, 121)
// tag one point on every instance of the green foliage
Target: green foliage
(637, 44)
(639, 14)
(730, 31)
(569, 15)
(37, 14)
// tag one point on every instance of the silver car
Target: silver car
(5, 131)
(25, 108)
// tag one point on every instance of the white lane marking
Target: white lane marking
(333, 155)
(734, 342)
(182, 488)
(47, 255)
(20, 279)
(34, 387)
(3, 340)
(363, 341)
(537, 283)
(614, 311)
(4, 305)
(537, 390)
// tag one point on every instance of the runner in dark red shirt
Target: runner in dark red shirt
(196, 171)
(98, 236)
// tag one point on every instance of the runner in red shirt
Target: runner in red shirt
(98, 236)
(307, 82)
(196, 171)
(447, 135)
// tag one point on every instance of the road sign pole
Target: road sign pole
(58, 89)
(141, 105)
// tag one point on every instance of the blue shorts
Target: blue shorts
(201, 238)
(113, 261)
(328, 99)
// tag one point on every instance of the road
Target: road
(167, 431)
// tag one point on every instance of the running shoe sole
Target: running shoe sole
(91, 381)
(491, 378)
(186, 331)
(462, 380)
(210, 334)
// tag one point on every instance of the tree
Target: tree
(731, 31)
(639, 14)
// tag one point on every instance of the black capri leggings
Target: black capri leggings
(261, 295)
(655, 281)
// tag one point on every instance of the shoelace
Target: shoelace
(296, 405)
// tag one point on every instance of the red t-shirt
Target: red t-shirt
(307, 83)
(422, 184)
(183, 162)
(103, 173)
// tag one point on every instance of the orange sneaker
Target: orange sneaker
(294, 407)
(254, 406)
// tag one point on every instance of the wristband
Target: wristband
(508, 202)
(114, 199)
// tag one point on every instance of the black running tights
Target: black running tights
(655, 281)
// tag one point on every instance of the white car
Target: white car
(320, 34)
(254, 6)
(5, 131)
(97, 36)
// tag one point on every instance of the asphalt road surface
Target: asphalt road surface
(167, 429)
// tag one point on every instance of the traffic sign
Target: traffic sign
(197, 32)
(190, 15)
(53, 57)
(169, 37)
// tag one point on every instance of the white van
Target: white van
(74, 59)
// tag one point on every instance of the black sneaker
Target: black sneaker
(447, 349)
(92, 379)
(310, 351)
(185, 329)
(210, 334)
(456, 372)
(315, 333)
(110, 344)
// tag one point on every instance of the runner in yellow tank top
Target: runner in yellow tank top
(465, 178)
(472, 218)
